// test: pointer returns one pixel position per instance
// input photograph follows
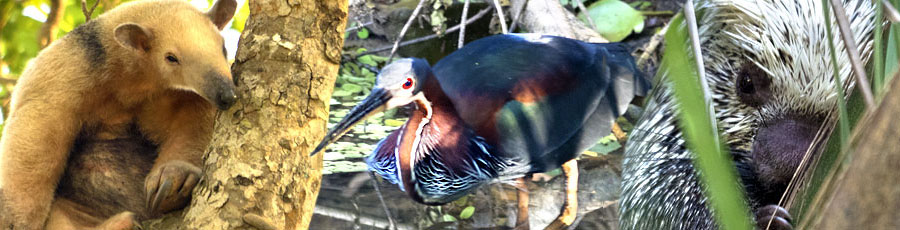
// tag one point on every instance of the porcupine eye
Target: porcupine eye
(752, 85)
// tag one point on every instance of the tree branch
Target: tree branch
(650, 47)
(855, 61)
(406, 27)
(890, 12)
(4, 80)
(462, 26)
(500, 15)
(586, 14)
(360, 26)
(427, 37)
(515, 20)
(376, 222)
(387, 211)
(88, 13)
(48, 29)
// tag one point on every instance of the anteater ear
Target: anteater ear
(221, 12)
(133, 36)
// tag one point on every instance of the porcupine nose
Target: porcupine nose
(780, 145)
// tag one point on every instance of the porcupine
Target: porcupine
(769, 70)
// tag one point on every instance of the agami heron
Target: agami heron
(500, 108)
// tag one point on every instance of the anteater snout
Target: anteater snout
(226, 99)
(220, 91)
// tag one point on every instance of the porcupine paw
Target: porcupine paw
(779, 218)
(169, 186)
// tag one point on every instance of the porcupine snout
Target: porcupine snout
(780, 145)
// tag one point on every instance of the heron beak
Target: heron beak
(373, 104)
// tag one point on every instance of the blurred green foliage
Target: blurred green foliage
(355, 81)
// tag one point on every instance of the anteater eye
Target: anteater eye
(408, 83)
(172, 59)
(752, 85)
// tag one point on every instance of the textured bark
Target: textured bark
(258, 173)
(866, 191)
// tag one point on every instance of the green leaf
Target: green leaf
(340, 93)
(352, 88)
(461, 201)
(641, 5)
(345, 71)
(608, 138)
(878, 56)
(449, 218)
(644, 5)
(367, 59)
(354, 79)
(393, 123)
(362, 33)
(606, 145)
(366, 73)
(891, 59)
(240, 18)
(574, 3)
(614, 19)
(379, 58)
(438, 20)
(353, 67)
(18, 46)
(390, 113)
(467, 212)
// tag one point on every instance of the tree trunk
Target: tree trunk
(865, 192)
(258, 173)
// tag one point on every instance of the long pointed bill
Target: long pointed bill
(373, 104)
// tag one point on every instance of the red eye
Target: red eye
(408, 83)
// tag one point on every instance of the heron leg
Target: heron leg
(522, 195)
(570, 206)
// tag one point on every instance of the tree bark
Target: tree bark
(257, 172)
(865, 193)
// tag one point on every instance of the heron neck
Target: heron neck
(432, 114)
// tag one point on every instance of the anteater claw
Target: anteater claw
(169, 186)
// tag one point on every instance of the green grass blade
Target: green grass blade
(716, 169)
(843, 123)
(895, 40)
(890, 57)
(878, 77)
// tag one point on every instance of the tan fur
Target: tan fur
(72, 95)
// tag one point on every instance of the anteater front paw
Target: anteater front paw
(169, 186)
(121, 221)
(779, 218)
